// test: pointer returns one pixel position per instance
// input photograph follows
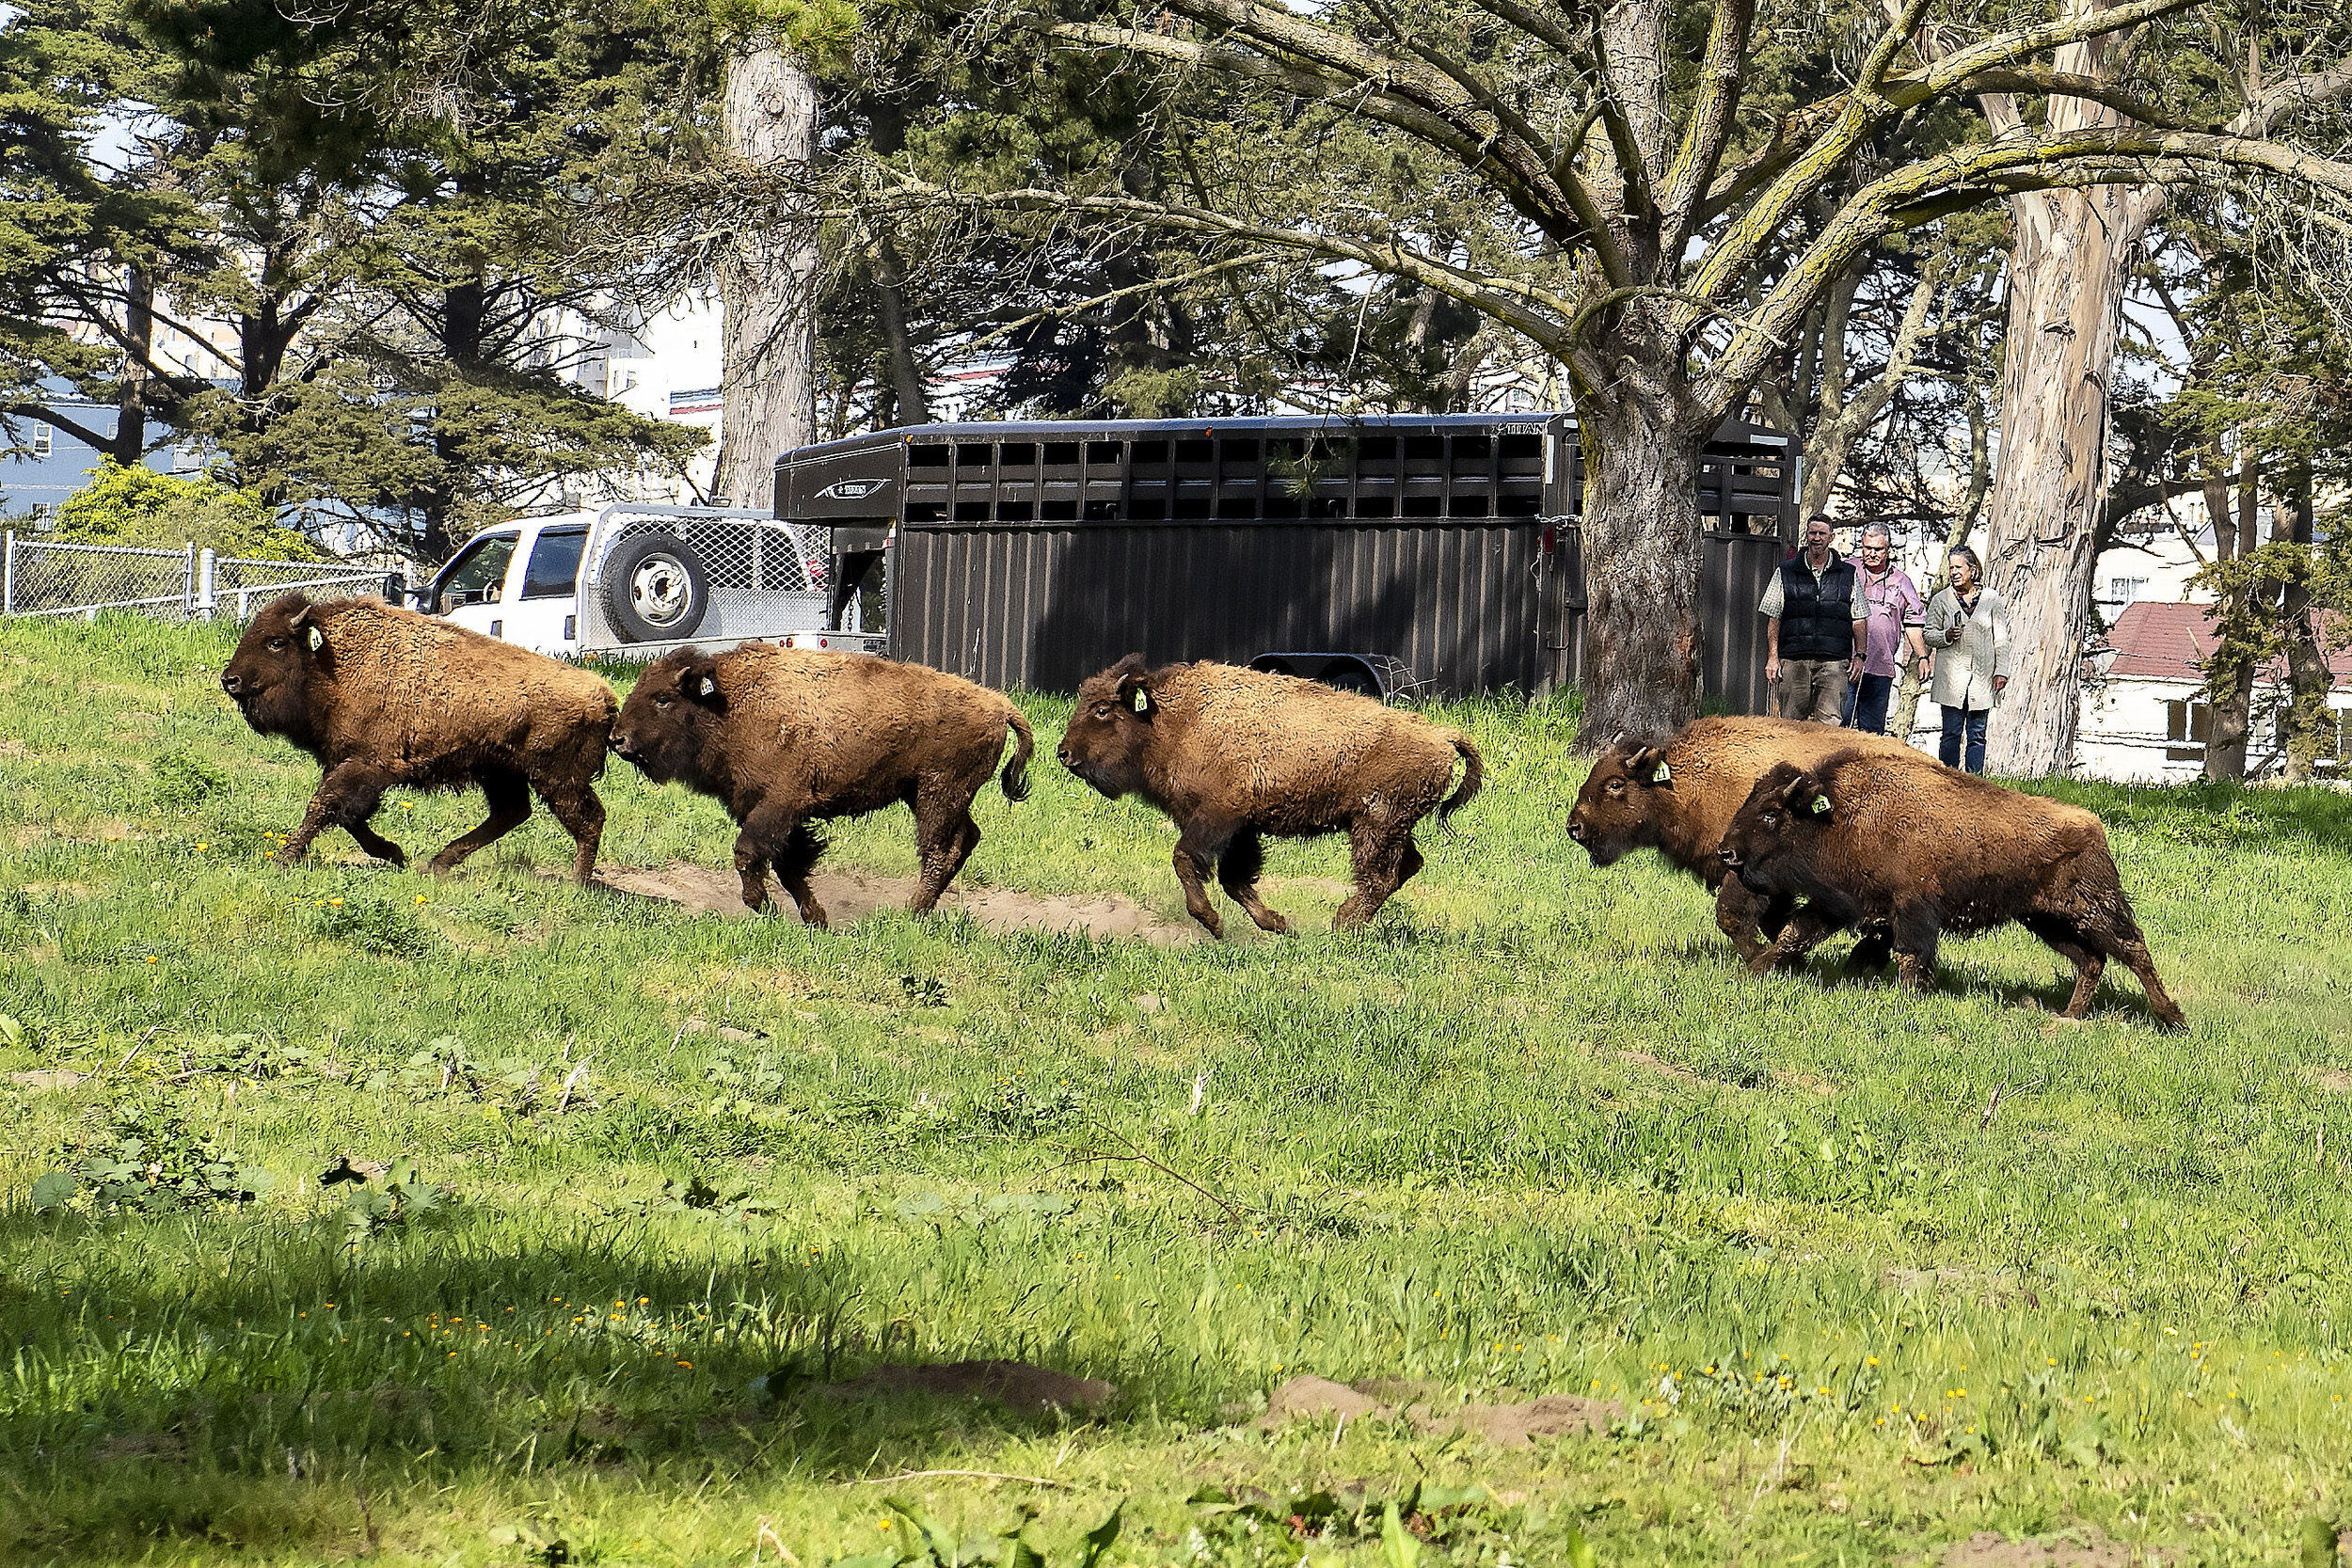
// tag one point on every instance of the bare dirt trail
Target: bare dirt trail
(851, 895)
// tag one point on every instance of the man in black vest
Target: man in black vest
(1818, 618)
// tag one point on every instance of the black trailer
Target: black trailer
(1033, 554)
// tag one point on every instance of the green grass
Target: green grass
(1531, 1132)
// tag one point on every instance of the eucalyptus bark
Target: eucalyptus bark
(767, 285)
(2049, 491)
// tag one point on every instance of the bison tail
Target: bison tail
(1015, 778)
(1473, 774)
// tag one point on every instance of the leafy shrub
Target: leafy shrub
(371, 925)
(148, 1162)
(137, 506)
(405, 1197)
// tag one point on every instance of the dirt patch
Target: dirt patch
(1804, 1080)
(1644, 1059)
(851, 895)
(1511, 1426)
(1309, 1399)
(58, 1078)
(1009, 1383)
(2334, 1079)
(2087, 1547)
(1514, 1426)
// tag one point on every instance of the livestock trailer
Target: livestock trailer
(1034, 553)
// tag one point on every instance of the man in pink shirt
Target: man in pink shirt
(1897, 614)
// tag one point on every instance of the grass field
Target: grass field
(659, 1185)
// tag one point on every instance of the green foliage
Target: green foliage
(404, 1199)
(825, 31)
(135, 506)
(370, 923)
(148, 1162)
(2263, 604)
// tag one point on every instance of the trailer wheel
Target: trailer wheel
(655, 590)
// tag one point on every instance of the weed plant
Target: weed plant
(498, 1221)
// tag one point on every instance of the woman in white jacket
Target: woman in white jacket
(1970, 623)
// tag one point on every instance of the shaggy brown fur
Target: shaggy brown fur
(784, 738)
(1232, 754)
(1710, 766)
(1870, 837)
(385, 697)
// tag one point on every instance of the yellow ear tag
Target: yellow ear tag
(318, 639)
(1821, 805)
(1663, 774)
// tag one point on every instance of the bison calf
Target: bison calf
(385, 697)
(1866, 837)
(1678, 797)
(1230, 754)
(784, 738)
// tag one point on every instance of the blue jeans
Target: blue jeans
(1972, 720)
(1866, 704)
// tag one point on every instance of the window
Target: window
(2187, 728)
(554, 564)
(478, 575)
(44, 439)
(2125, 590)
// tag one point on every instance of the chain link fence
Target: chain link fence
(41, 577)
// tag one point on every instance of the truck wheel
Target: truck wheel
(655, 590)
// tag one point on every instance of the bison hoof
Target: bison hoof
(1270, 921)
(814, 917)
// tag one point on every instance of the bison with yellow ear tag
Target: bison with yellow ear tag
(385, 698)
(786, 739)
(1678, 795)
(1234, 755)
(1924, 850)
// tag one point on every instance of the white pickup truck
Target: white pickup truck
(636, 582)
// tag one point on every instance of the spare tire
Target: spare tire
(655, 590)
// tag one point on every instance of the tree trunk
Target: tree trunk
(2213, 475)
(1641, 553)
(912, 403)
(2050, 488)
(2225, 739)
(2233, 702)
(138, 323)
(767, 121)
(2049, 491)
(2309, 721)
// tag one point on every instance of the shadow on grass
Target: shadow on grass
(216, 1401)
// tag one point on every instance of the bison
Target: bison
(784, 738)
(385, 697)
(1925, 849)
(1678, 797)
(1232, 754)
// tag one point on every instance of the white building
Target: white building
(2143, 720)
